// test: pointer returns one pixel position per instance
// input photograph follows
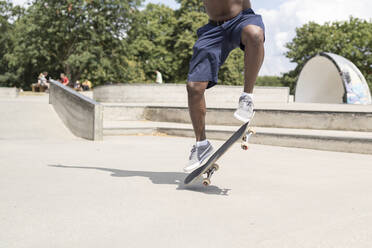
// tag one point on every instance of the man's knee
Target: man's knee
(196, 88)
(252, 35)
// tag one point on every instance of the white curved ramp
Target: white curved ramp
(330, 78)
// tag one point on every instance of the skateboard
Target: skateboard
(244, 133)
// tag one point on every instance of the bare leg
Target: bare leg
(197, 107)
(253, 40)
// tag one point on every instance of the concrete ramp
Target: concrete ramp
(82, 115)
(28, 118)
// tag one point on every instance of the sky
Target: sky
(281, 17)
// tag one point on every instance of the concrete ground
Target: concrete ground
(127, 191)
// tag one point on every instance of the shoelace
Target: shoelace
(245, 102)
(193, 149)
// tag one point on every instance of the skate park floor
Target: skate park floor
(126, 191)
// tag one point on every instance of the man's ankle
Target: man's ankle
(201, 143)
(244, 94)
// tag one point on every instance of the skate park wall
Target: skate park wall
(176, 94)
(82, 115)
(6, 92)
(330, 78)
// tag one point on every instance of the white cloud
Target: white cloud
(281, 23)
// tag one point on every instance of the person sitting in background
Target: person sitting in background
(77, 86)
(64, 79)
(87, 85)
(44, 82)
(39, 84)
(41, 75)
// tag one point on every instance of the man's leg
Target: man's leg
(203, 148)
(253, 40)
(197, 107)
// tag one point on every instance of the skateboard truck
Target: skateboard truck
(246, 137)
(245, 141)
(207, 180)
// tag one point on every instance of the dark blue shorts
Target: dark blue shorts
(214, 45)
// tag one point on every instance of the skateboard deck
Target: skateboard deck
(244, 133)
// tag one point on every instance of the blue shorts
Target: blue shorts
(215, 43)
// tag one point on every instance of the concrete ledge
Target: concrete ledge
(325, 143)
(230, 94)
(176, 94)
(358, 120)
(82, 115)
(327, 140)
(6, 92)
(324, 120)
(124, 113)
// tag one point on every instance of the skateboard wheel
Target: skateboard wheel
(216, 167)
(206, 182)
(251, 130)
(245, 147)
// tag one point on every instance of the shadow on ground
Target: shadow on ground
(175, 178)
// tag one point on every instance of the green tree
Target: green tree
(80, 37)
(149, 39)
(269, 81)
(188, 6)
(351, 39)
(8, 15)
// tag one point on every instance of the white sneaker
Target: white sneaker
(197, 156)
(245, 111)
